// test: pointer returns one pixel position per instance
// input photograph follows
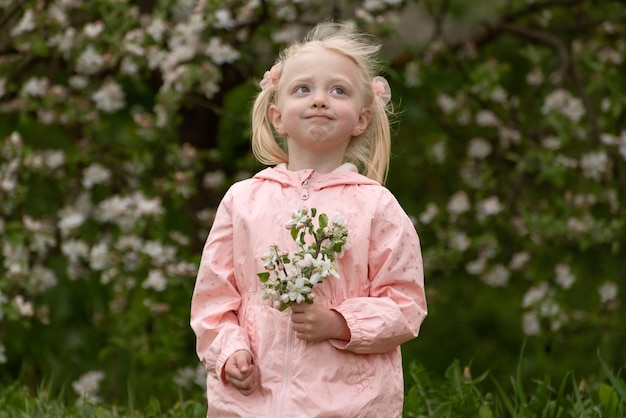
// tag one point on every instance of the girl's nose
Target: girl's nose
(319, 100)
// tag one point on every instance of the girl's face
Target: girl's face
(319, 105)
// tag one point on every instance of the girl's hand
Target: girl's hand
(314, 322)
(241, 372)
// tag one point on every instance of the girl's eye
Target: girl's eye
(303, 89)
(338, 90)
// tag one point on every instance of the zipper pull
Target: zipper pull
(304, 194)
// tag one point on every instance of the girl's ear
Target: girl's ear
(362, 122)
(276, 118)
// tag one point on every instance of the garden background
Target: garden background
(122, 123)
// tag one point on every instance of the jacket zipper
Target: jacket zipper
(304, 193)
(284, 390)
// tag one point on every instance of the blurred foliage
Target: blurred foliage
(123, 123)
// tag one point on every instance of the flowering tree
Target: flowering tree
(522, 179)
(122, 123)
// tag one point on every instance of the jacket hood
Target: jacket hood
(346, 174)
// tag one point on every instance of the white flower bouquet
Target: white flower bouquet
(289, 277)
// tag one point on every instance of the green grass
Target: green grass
(18, 402)
(461, 395)
(457, 394)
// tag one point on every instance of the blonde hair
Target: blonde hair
(371, 150)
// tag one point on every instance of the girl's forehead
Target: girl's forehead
(318, 57)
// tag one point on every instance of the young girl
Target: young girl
(321, 113)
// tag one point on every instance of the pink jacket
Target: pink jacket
(380, 293)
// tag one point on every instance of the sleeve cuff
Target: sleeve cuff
(223, 357)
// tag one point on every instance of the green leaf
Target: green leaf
(153, 408)
(264, 277)
(294, 233)
(608, 397)
(485, 411)
(323, 220)
(313, 212)
(618, 385)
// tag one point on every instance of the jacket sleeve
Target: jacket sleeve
(396, 307)
(216, 299)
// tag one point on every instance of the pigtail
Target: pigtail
(380, 145)
(264, 146)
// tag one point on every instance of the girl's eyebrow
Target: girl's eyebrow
(345, 81)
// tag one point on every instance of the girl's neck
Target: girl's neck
(326, 162)
(324, 166)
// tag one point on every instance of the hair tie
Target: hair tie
(381, 88)
(270, 78)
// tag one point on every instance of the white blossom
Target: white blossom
(64, 41)
(35, 87)
(535, 294)
(564, 277)
(24, 307)
(477, 266)
(446, 103)
(99, 256)
(42, 278)
(93, 29)
(438, 152)
(459, 241)
(224, 19)
(530, 323)
(78, 82)
(565, 161)
(156, 29)
(535, 77)
(156, 281)
(159, 252)
(459, 203)
(87, 387)
(213, 179)
(129, 242)
(94, 174)
(486, 118)
(551, 143)
(58, 15)
(498, 276)
(89, 61)
(562, 101)
(186, 377)
(498, 95)
(507, 135)
(412, 74)
(519, 260)
(70, 220)
(53, 159)
(129, 66)
(594, 164)
(607, 292)
(16, 258)
(26, 24)
(220, 52)
(109, 97)
(75, 249)
(478, 148)
(429, 214)
(488, 207)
